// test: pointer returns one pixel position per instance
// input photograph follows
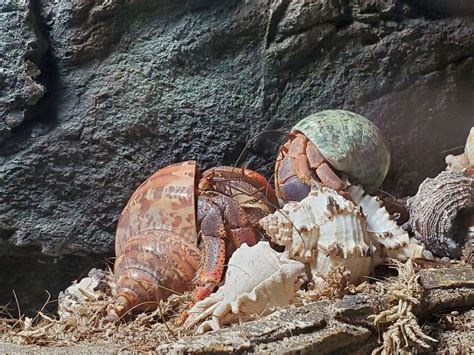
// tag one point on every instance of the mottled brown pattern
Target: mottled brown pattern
(156, 240)
(157, 245)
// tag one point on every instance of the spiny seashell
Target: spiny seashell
(462, 161)
(325, 230)
(441, 213)
(389, 238)
(257, 280)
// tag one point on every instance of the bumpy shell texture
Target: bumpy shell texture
(350, 143)
(156, 237)
(390, 239)
(325, 230)
(440, 213)
(257, 280)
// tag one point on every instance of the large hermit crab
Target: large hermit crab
(326, 148)
(177, 231)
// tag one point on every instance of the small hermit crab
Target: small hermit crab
(178, 230)
(326, 148)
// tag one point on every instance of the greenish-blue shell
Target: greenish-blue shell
(350, 143)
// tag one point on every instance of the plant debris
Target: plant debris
(85, 324)
(147, 331)
(404, 293)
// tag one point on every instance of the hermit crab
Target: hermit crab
(327, 148)
(178, 230)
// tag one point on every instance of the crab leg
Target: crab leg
(213, 233)
(302, 165)
(212, 268)
(324, 172)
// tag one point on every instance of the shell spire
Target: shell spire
(390, 239)
(156, 230)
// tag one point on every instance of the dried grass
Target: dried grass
(335, 285)
(404, 292)
(85, 326)
(146, 331)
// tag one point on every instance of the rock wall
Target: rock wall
(96, 95)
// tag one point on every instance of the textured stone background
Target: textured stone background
(96, 95)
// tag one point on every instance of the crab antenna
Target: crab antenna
(251, 140)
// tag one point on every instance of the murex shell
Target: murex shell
(324, 230)
(441, 212)
(350, 143)
(391, 240)
(257, 280)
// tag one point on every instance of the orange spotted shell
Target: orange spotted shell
(156, 239)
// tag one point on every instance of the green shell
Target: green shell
(350, 143)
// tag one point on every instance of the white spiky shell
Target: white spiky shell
(390, 239)
(257, 280)
(324, 230)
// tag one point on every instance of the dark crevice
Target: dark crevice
(32, 275)
(6, 231)
(275, 18)
(42, 117)
(439, 9)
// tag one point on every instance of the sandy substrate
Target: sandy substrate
(7, 348)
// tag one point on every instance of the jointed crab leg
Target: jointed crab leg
(220, 217)
(300, 166)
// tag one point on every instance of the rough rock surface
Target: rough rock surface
(134, 85)
(21, 48)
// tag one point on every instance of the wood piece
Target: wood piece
(336, 326)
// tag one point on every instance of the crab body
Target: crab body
(326, 148)
(177, 232)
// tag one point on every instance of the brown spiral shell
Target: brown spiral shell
(156, 239)
(441, 213)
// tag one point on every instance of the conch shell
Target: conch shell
(257, 280)
(442, 213)
(465, 160)
(324, 230)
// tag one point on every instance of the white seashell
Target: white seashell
(324, 230)
(79, 293)
(257, 280)
(389, 238)
(458, 163)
